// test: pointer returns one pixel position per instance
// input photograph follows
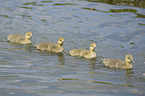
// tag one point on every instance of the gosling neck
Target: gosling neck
(59, 45)
(128, 63)
(27, 39)
(92, 54)
(92, 50)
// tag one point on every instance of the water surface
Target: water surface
(118, 28)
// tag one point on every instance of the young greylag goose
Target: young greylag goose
(48, 46)
(19, 38)
(117, 63)
(84, 53)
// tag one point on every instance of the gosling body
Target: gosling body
(19, 38)
(117, 63)
(84, 53)
(49, 46)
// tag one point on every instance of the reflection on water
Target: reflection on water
(24, 16)
(10, 76)
(140, 15)
(6, 16)
(129, 73)
(24, 70)
(119, 11)
(99, 82)
(140, 24)
(25, 7)
(136, 3)
(46, 1)
(17, 46)
(69, 79)
(60, 59)
(32, 3)
(64, 4)
(123, 10)
(111, 83)
(92, 64)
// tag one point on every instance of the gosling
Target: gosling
(85, 53)
(49, 46)
(19, 38)
(117, 63)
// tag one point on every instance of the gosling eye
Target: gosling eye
(92, 46)
(28, 34)
(128, 58)
(60, 40)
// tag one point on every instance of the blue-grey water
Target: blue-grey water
(117, 28)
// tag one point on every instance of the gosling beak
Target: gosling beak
(132, 61)
(95, 49)
(63, 43)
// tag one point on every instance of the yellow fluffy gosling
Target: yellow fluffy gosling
(19, 38)
(48, 46)
(117, 63)
(84, 53)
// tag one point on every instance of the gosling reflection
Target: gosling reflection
(16, 46)
(136, 3)
(92, 63)
(129, 73)
(95, 63)
(60, 59)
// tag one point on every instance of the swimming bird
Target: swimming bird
(19, 38)
(117, 63)
(49, 46)
(84, 53)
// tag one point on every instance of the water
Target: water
(117, 29)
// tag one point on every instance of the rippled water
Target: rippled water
(116, 29)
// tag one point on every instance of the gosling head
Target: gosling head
(129, 59)
(93, 47)
(28, 35)
(60, 41)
